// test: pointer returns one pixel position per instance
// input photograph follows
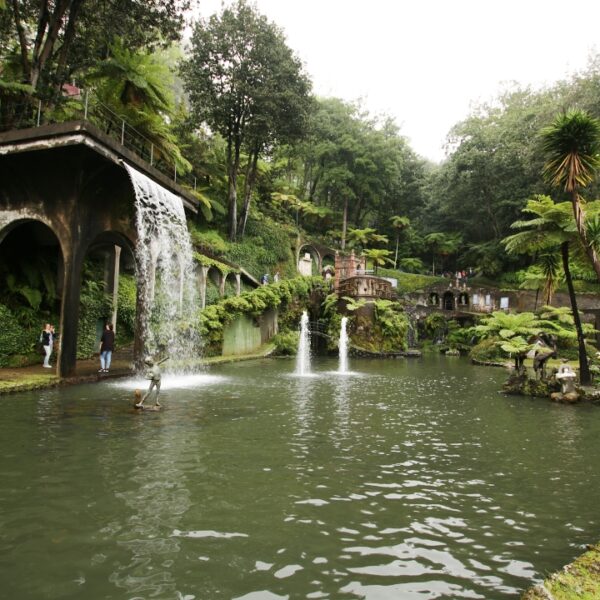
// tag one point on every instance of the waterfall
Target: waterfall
(343, 346)
(168, 305)
(303, 357)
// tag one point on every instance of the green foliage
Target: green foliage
(94, 305)
(210, 240)
(14, 339)
(392, 325)
(411, 282)
(286, 343)
(436, 326)
(487, 350)
(266, 248)
(213, 318)
(126, 307)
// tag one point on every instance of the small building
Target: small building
(352, 279)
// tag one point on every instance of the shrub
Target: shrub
(94, 306)
(127, 304)
(487, 350)
(14, 339)
(286, 343)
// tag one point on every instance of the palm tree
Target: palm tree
(572, 146)
(442, 244)
(552, 227)
(378, 256)
(399, 224)
(361, 237)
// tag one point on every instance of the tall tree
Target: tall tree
(572, 146)
(244, 82)
(399, 224)
(57, 37)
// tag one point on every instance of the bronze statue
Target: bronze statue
(154, 375)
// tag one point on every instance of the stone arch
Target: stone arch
(232, 282)
(32, 253)
(448, 301)
(463, 300)
(316, 262)
(214, 281)
(434, 299)
(110, 255)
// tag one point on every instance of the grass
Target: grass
(579, 580)
(27, 381)
(411, 282)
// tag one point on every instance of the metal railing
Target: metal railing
(88, 107)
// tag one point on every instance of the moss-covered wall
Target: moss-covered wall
(245, 334)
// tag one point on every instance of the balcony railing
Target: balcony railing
(87, 107)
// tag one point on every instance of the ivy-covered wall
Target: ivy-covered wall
(215, 318)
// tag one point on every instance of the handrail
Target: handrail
(88, 107)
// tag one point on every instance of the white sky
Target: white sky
(425, 62)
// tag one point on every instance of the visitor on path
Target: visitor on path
(47, 340)
(107, 345)
(265, 279)
(276, 277)
(154, 375)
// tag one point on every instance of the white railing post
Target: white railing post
(39, 115)
(151, 154)
(85, 105)
(123, 132)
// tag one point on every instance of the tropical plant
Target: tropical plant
(552, 227)
(399, 224)
(378, 257)
(572, 147)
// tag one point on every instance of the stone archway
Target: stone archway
(111, 263)
(448, 301)
(31, 279)
(309, 258)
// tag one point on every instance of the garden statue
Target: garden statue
(154, 375)
(566, 376)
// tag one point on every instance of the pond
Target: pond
(406, 479)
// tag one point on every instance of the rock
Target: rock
(571, 397)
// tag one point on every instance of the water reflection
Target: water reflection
(417, 480)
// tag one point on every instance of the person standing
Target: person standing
(47, 339)
(107, 345)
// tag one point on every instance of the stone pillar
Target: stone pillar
(202, 275)
(111, 280)
(222, 280)
(69, 316)
(238, 284)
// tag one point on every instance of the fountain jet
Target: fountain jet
(303, 357)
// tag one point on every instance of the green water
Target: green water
(414, 479)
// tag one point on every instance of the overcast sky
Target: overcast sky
(425, 62)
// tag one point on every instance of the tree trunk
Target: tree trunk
(22, 41)
(248, 189)
(584, 371)
(233, 161)
(345, 223)
(66, 44)
(54, 25)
